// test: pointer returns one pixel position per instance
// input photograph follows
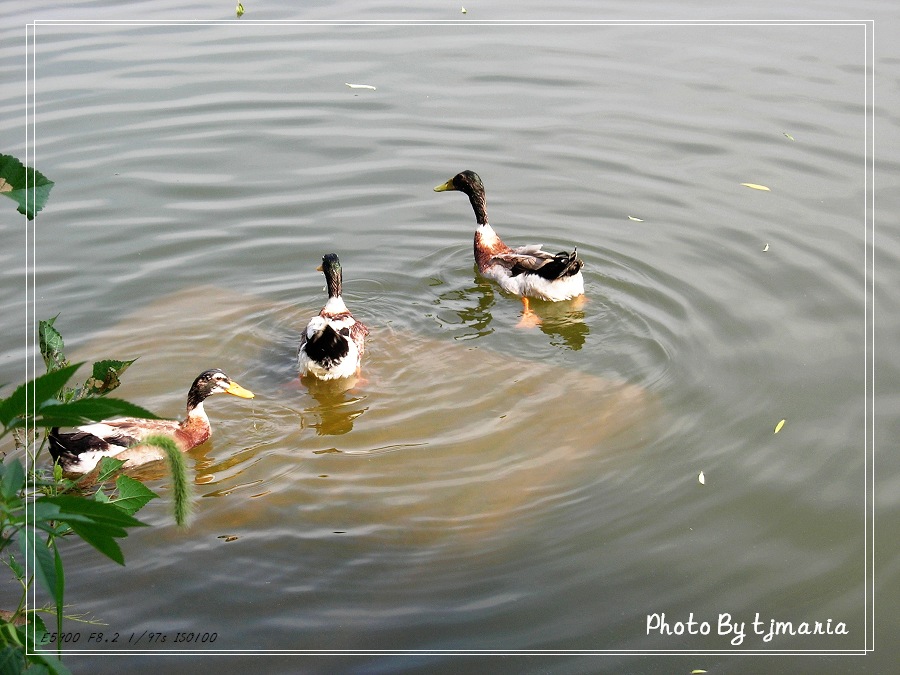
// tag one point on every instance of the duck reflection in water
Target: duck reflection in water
(472, 307)
(337, 406)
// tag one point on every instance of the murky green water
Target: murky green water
(485, 487)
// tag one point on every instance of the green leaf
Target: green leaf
(95, 522)
(51, 344)
(16, 568)
(77, 509)
(101, 540)
(108, 467)
(14, 410)
(36, 624)
(35, 549)
(13, 479)
(88, 410)
(12, 660)
(133, 494)
(46, 387)
(40, 662)
(24, 185)
(105, 377)
(76, 514)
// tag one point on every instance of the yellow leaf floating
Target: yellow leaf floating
(788, 136)
(239, 10)
(637, 220)
(754, 186)
(697, 672)
(360, 86)
(463, 10)
(702, 478)
(765, 248)
(778, 426)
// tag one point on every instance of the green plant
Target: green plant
(26, 186)
(37, 509)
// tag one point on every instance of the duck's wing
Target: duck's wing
(81, 441)
(533, 260)
(109, 437)
(328, 345)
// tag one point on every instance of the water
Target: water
(485, 487)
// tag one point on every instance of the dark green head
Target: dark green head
(465, 181)
(470, 183)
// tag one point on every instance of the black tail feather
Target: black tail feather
(327, 346)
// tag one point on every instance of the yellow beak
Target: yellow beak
(237, 390)
(445, 186)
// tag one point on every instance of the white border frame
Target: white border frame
(869, 348)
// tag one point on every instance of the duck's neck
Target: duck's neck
(487, 245)
(479, 206)
(195, 428)
(335, 305)
(195, 412)
(334, 279)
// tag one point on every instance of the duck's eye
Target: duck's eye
(345, 331)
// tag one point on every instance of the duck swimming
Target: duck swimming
(526, 271)
(333, 343)
(81, 450)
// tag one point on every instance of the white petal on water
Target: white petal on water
(702, 478)
(360, 86)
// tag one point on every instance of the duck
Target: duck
(526, 271)
(332, 345)
(80, 451)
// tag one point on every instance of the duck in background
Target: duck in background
(526, 271)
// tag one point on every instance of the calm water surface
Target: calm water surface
(484, 487)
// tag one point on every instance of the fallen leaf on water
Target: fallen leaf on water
(360, 86)
(778, 426)
(697, 672)
(754, 186)
(227, 537)
(239, 10)
(637, 220)
(702, 478)
(765, 248)
(788, 135)
(463, 10)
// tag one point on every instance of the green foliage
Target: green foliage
(104, 377)
(55, 506)
(96, 522)
(48, 411)
(51, 344)
(132, 495)
(24, 185)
